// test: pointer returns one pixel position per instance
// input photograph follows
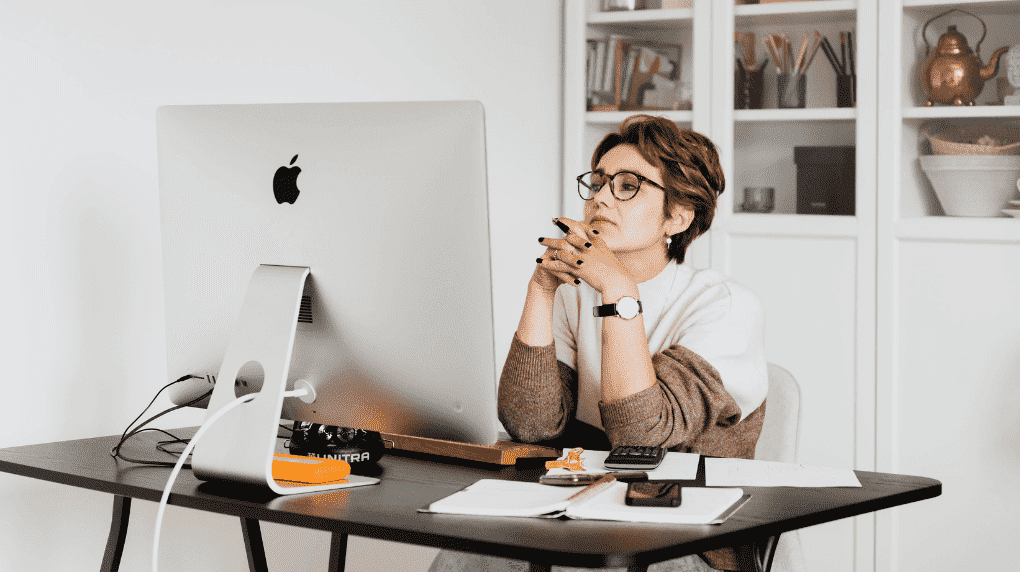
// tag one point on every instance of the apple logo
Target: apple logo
(285, 183)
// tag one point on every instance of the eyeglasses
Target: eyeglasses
(624, 185)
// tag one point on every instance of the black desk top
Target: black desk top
(388, 510)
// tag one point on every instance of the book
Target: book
(602, 500)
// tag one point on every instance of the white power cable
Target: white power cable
(305, 391)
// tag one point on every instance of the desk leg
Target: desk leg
(338, 552)
(118, 533)
(253, 545)
(757, 557)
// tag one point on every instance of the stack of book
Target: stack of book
(628, 74)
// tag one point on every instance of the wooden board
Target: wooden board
(499, 453)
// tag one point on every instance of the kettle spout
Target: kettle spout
(989, 71)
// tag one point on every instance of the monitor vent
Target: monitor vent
(305, 313)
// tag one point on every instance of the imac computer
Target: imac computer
(377, 215)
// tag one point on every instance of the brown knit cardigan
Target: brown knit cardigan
(687, 410)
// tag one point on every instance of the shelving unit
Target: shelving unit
(945, 305)
(872, 313)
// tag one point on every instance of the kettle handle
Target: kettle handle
(924, 31)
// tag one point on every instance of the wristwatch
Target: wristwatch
(625, 308)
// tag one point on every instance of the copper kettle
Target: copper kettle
(954, 74)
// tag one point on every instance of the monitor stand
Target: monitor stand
(240, 446)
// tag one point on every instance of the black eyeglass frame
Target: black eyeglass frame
(612, 184)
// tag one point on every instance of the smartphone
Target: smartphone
(653, 493)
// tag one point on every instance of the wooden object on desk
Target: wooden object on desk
(499, 453)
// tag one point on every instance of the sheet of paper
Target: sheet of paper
(749, 473)
(674, 466)
(507, 498)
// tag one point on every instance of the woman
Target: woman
(684, 369)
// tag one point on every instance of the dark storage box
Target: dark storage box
(826, 179)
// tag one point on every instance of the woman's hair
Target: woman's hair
(690, 166)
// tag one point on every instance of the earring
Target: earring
(669, 241)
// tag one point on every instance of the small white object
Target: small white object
(309, 395)
(1015, 202)
(1013, 74)
(1015, 213)
(972, 185)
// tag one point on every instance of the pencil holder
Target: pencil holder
(749, 90)
(846, 90)
(792, 90)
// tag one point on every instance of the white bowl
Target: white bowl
(972, 185)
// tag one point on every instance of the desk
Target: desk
(387, 510)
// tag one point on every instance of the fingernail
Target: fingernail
(594, 231)
(580, 262)
(587, 245)
(540, 239)
(576, 281)
(538, 260)
(562, 226)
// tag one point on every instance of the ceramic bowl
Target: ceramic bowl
(972, 185)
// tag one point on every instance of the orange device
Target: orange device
(310, 470)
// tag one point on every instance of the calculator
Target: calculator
(635, 457)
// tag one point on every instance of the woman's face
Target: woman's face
(636, 224)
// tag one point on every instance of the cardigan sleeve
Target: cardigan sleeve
(688, 409)
(537, 394)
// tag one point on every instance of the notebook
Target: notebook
(603, 500)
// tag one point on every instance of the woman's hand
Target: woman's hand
(580, 255)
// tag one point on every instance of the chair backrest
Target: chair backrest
(780, 431)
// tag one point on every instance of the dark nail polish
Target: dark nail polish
(580, 262)
(540, 239)
(538, 260)
(562, 226)
(587, 245)
(576, 281)
(594, 231)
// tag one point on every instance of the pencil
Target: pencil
(814, 50)
(772, 50)
(800, 55)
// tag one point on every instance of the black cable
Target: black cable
(128, 433)
(160, 445)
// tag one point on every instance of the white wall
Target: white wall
(81, 325)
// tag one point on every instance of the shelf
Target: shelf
(616, 117)
(806, 114)
(959, 229)
(795, 13)
(962, 111)
(1001, 7)
(790, 225)
(640, 20)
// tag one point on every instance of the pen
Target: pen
(578, 479)
(596, 487)
(830, 54)
(842, 51)
(850, 51)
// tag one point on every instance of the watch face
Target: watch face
(627, 307)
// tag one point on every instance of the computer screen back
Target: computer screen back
(389, 210)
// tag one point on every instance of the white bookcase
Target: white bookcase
(947, 335)
(899, 323)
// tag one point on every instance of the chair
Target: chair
(779, 441)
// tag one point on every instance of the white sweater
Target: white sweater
(701, 310)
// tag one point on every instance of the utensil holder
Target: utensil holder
(749, 92)
(792, 90)
(846, 90)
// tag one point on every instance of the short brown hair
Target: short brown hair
(690, 166)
